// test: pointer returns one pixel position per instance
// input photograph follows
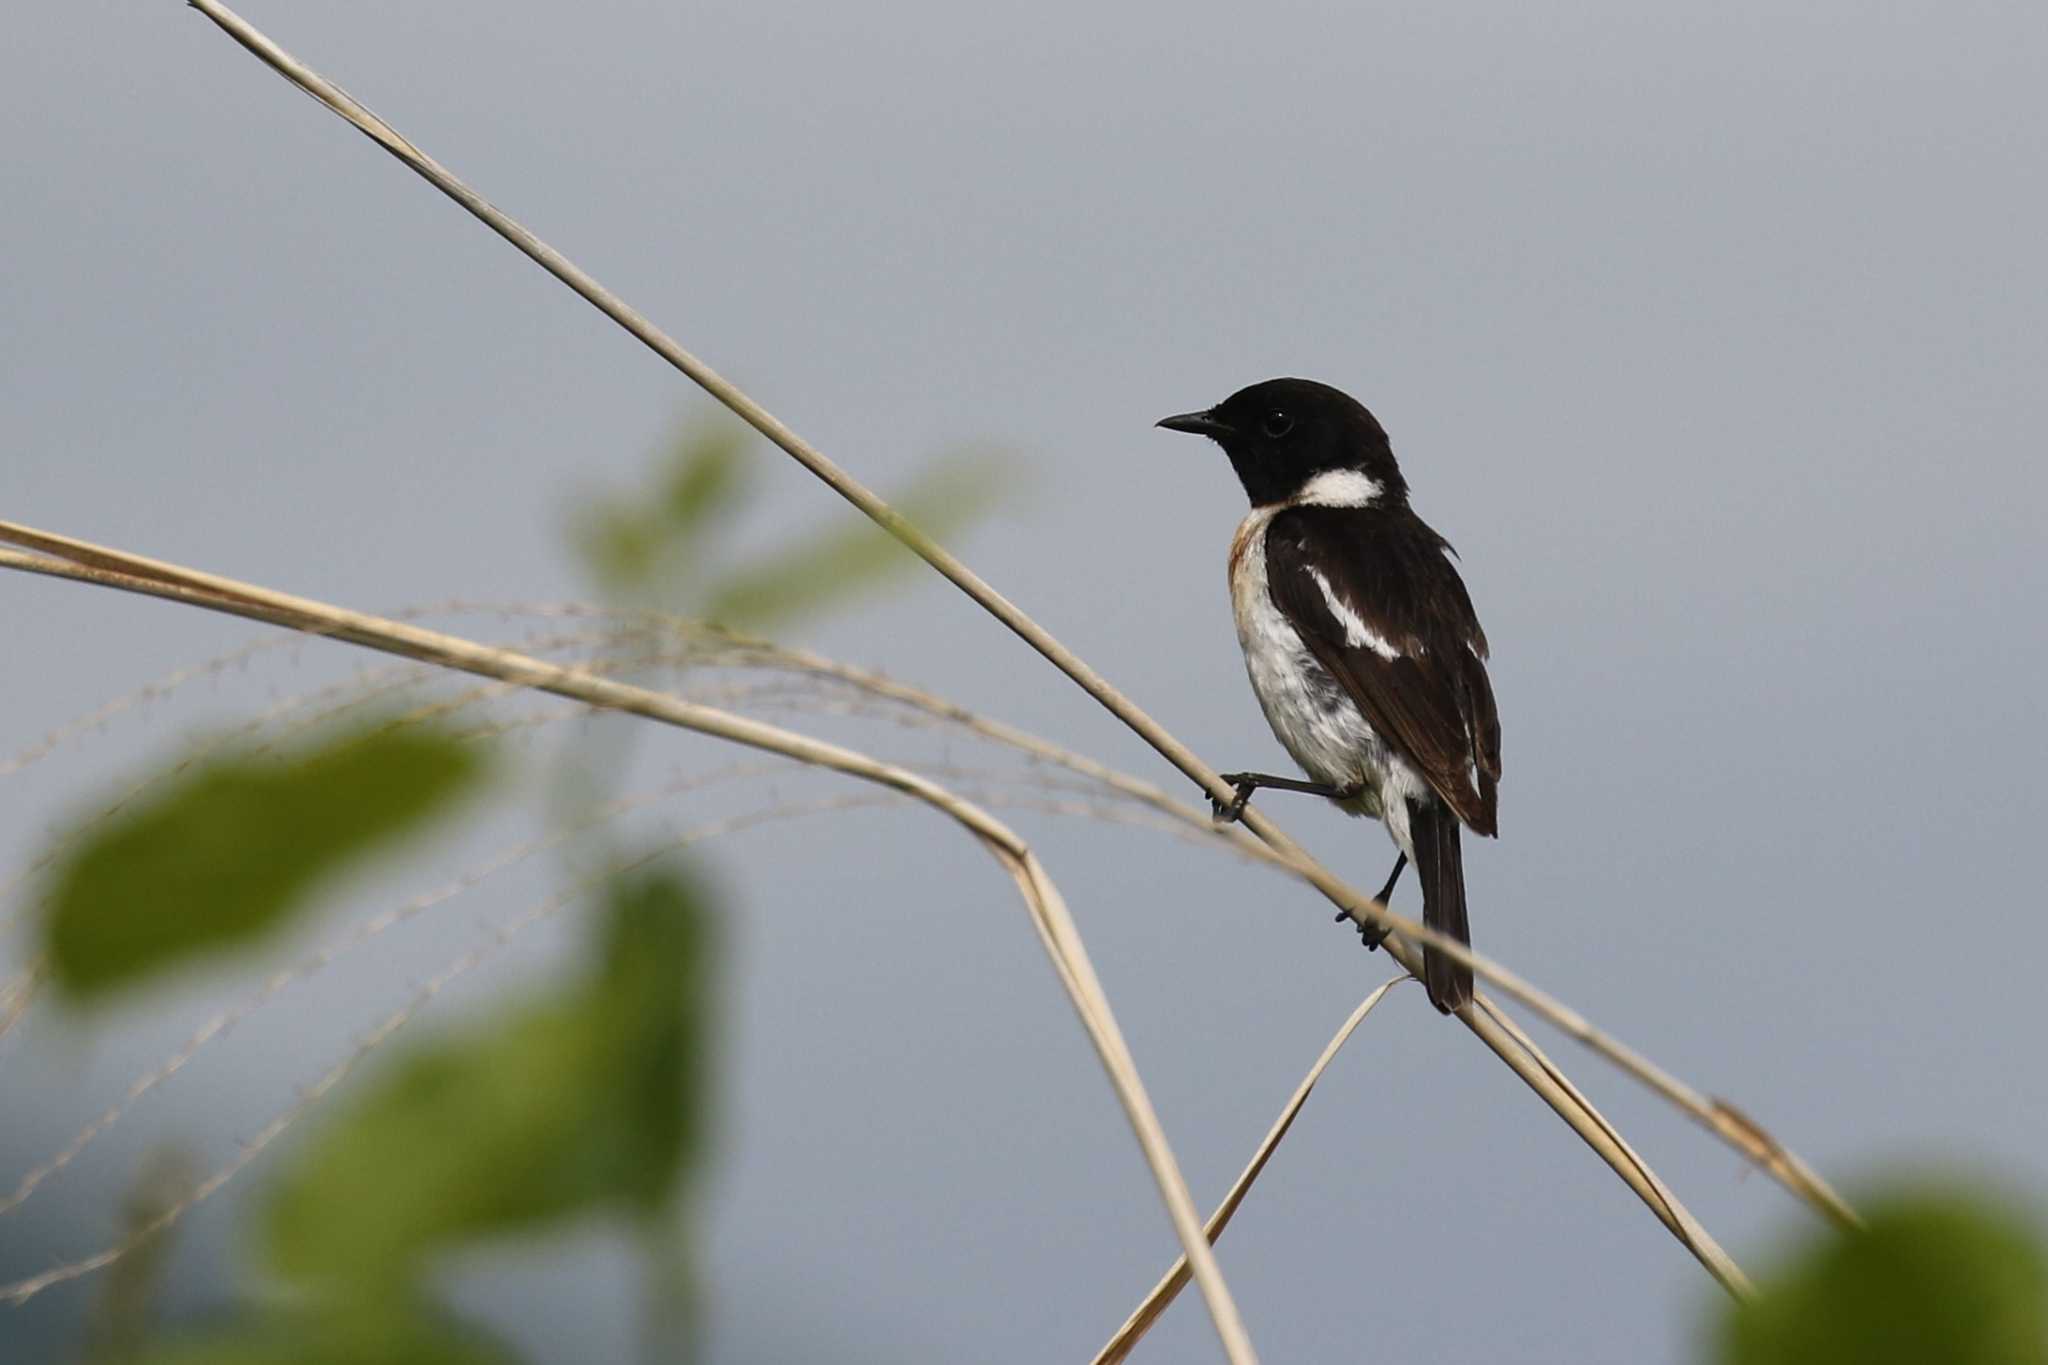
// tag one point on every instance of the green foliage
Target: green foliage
(653, 547)
(1937, 1276)
(224, 854)
(591, 1099)
(855, 556)
(360, 1334)
(632, 540)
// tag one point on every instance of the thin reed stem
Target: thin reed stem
(1048, 909)
(1361, 908)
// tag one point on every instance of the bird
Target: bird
(1360, 640)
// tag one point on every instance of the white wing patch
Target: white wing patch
(1339, 488)
(1357, 633)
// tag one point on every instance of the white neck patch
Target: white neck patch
(1339, 488)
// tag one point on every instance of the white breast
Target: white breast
(1311, 715)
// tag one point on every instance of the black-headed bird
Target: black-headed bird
(1360, 639)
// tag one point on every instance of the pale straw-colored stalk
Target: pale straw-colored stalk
(662, 639)
(988, 789)
(221, 1024)
(1716, 1115)
(114, 569)
(1731, 1126)
(1175, 1279)
(21, 1291)
(62, 556)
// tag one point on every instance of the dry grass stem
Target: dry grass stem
(1720, 1118)
(989, 789)
(1679, 1219)
(64, 557)
(20, 1291)
(19, 993)
(1049, 913)
(278, 982)
(703, 646)
(99, 717)
(1717, 1116)
(1175, 1279)
(304, 712)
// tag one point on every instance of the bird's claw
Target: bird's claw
(1229, 812)
(1369, 933)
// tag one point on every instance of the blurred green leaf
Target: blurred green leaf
(650, 545)
(370, 1333)
(705, 476)
(617, 544)
(854, 556)
(225, 853)
(634, 542)
(591, 1099)
(1937, 1276)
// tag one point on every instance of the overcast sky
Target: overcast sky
(1714, 340)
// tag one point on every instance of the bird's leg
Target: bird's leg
(1246, 783)
(1373, 934)
(1386, 892)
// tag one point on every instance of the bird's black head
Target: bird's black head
(1282, 434)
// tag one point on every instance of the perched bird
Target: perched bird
(1360, 640)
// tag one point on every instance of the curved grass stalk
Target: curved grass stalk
(278, 982)
(22, 1290)
(698, 644)
(1175, 1279)
(306, 711)
(1720, 1118)
(1352, 902)
(64, 557)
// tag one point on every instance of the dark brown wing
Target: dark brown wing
(1377, 599)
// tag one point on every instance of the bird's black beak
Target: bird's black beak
(1196, 424)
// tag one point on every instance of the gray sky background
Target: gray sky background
(1714, 341)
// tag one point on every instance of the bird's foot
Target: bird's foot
(1244, 784)
(1231, 811)
(1369, 933)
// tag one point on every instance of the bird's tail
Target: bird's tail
(1440, 863)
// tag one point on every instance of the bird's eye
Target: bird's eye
(1276, 424)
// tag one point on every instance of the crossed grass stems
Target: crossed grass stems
(64, 557)
(714, 667)
(1035, 790)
